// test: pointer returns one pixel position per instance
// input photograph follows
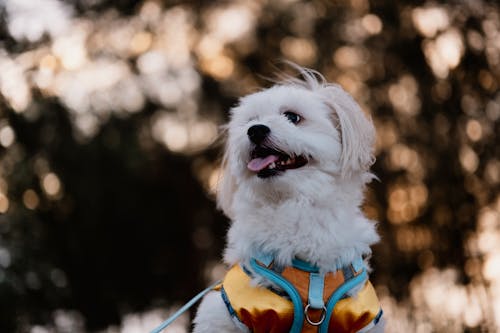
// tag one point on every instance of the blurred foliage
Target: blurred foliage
(108, 157)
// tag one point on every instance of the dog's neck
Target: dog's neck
(320, 224)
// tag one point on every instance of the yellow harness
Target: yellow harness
(312, 302)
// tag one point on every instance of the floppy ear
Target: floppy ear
(356, 130)
(226, 186)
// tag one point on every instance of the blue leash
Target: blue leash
(186, 307)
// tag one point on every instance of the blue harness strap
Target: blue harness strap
(356, 280)
(298, 318)
(184, 308)
(316, 286)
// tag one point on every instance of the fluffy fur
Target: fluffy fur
(312, 212)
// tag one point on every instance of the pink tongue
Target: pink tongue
(258, 164)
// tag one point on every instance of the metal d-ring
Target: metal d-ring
(315, 323)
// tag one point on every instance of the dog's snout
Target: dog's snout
(257, 133)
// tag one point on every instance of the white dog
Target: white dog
(294, 171)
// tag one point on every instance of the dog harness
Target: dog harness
(308, 301)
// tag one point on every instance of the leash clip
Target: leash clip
(315, 323)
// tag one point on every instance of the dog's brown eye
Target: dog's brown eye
(293, 117)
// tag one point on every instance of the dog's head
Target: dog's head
(292, 137)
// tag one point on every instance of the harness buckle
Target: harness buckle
(315, 323)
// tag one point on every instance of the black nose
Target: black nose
(257, 133)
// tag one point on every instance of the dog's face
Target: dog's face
(282, 134)
(292, 138)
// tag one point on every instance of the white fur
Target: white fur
(312, 212)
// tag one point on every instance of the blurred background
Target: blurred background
(109, 117)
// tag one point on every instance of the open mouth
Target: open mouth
(267, 162)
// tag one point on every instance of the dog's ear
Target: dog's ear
(357, 132)
(226, 187)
